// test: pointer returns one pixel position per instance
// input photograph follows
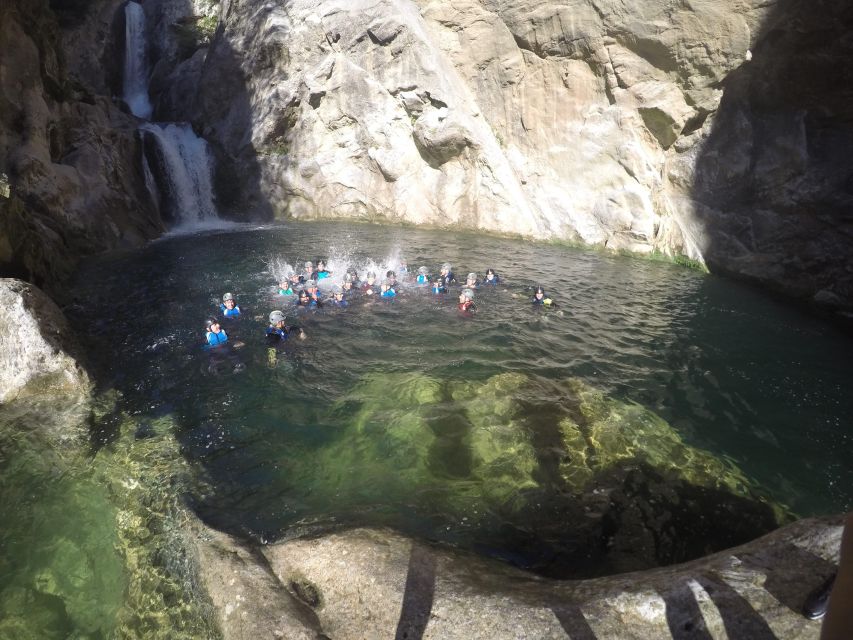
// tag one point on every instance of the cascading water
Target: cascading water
(136, 62)
(176, 162)
(180, 163)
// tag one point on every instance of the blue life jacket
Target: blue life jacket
(285, 292)
(274, 333)
(389, 294)
(215, 339)
(422, 279)
(340, 303)
(323, 274)
(439, 289)
(229, 312)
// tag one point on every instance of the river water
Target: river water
(658, 414)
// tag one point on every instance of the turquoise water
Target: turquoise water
(574, 443)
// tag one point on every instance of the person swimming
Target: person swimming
(391, 277)
(368, 287)
(214, 333)
(491, 278)
(286, 286)
(347, 288)
(447, 274)
(438, 286)
(388, 290)
(423, 276)
(338, 297)
(308, 271)
(278, 331)
(541, 299)
(314, 293)
(403, 268)
(321, 273)
(229, 306)
(466, 301)
(471, 282)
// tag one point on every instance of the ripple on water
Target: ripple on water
(514, 432)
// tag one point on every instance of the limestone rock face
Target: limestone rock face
(643, 126)
(35, 343)
(69, 155)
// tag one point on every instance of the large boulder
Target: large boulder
(36, 344)
(368, 583)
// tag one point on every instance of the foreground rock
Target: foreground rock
(35, 346)
(374, 583)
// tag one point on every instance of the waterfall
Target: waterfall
(136, 62)
(181, 166)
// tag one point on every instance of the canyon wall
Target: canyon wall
(713, 130)
(71, 182)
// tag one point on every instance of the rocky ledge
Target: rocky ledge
(368, 583)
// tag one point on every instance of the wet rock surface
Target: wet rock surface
(35, 343)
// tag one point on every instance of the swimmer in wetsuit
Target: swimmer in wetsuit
(338, 297)
(438, 286)
(321, 273)
(491, 277)
(388, 290)
(278, 331)
(229, 306)
(423, 276)
(447, 274)
(540, 299)
(368, 287)
(466, 302)
(472, 282)
(214, 333)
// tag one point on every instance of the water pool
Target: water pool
(661, 415)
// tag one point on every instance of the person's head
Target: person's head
(404, 266)
(422, 271)
(309, 267)
(293, 277)
(304, 297)
(277, 319)
(386, 284)
(539, 293)
(338, 292)
(371, 277)
(390, 274)
(445, 268)
(349, 276)
(472, 278)
(284, 284)
(466, 295)
(228, 301)
(437, 283)
(347, 285)
(311, 286)
(212, 325)
(321, 265)
(490, 274)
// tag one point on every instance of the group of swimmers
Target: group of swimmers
(305, 290)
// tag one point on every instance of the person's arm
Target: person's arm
(838, 623)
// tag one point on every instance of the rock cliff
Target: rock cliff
(70, 178)
(706, 129)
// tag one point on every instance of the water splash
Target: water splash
(181, 165)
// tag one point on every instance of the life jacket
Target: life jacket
(323, 274)
(215, 339)
(274, 333)
(466, 306)
(439, 289)
(422, 279)
(389, 294)
(448, 279)
(229, 312)
(285, 292)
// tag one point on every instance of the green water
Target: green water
(661, 415)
